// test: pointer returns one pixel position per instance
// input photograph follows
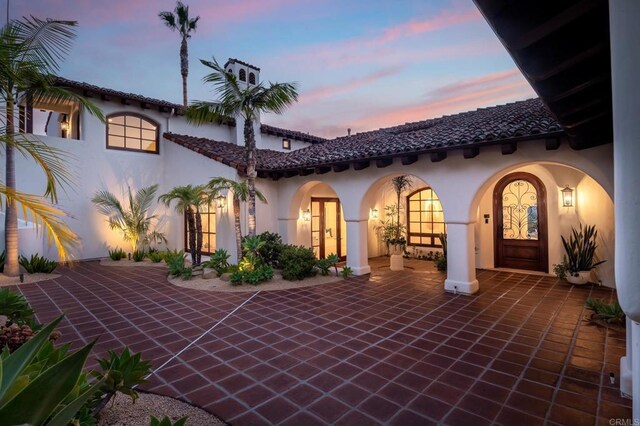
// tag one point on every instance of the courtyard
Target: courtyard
(385, 348)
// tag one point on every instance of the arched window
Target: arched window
(252, 78)
(425, 218)
(132, 132)
(243, 75)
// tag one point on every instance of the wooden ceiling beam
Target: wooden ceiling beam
(361, 165)
(470, 152)
(436, 157)
(383, 162)
(508, 148)
(408, 159)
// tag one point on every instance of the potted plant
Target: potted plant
(399, 184)
(580, 253)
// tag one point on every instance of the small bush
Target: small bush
(175, 262)
(15, 307)
(297, 262)
(269, 249)
(37, 264)
(166, 421)
(187, 273)
(117, 254)
(346, 272)
(231, 268)
(139, 255)
(323, 266)
(259, 275)
(608, 313)
(155, 256)
(218, 261)
(441, 263)
(236, 278)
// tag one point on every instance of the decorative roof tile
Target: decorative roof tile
(522, 120)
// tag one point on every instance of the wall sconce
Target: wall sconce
(64, 124)
(286, 144)
(374, 213)
(221, 201)
(306, 215)
(567, 197)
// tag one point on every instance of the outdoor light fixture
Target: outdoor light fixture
(306, 215)
(567, 197)
(64, 124)
(374, 213)
(286, 144)
(221, 201)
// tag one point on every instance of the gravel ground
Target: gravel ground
(276, 283)
(28, 278)
(125, 413)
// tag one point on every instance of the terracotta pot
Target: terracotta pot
(582, 278)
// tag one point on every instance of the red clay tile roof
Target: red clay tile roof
(291, 134)
(517, 121)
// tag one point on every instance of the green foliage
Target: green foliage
(166, 421)
(258, 275)
(443, 242)
(581, 249)
(346, 272)
(440, 260)
(561, 269)
(15, 307)
(323, 266)
(122, 373)
(297, 262)
(117, 254)
(236, 278)
(187, 273)
(135, 221)
(37, 264)
(175, 262)
(41, 385)
(138, 255)
(219, 261)
(155, 256)
(608, 313)
(267, 246)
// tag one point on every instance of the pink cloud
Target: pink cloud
(324, 92)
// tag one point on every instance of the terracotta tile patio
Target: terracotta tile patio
(392, 348)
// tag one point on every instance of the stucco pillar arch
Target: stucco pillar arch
(351, 196)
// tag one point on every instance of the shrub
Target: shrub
(260, 274)
(155, 256)
(297, 262)
(441, 262)
(187, 273)
(166, 421)
(117, 254)
(14, 306)
(218, 261)
(138, 255)
(346, 272)
(175, 262)
(608, 313)
(323, 266)
(37, 264)
(269, 250)
(236, 278)
(12, 336)
(42, 384)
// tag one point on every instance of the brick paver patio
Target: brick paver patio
(389, 349)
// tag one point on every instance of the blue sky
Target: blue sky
(359, 64)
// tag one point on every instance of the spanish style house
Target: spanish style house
(504, 183)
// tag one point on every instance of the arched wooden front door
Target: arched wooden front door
(520, 225)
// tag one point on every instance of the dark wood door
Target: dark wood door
(326, 227)
(520, 225)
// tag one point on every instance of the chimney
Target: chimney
(348, 132)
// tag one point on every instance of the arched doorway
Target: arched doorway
(520, 228)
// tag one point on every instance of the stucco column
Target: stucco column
(626, 378)
(288, 229)
(625, 62)
(461, 258)
(357, 258)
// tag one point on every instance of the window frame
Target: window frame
(434, 237)
(288, 144)
(140, 116)
(211, 213)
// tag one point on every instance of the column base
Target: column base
(461, 286)
(360, 270)
(626, 384)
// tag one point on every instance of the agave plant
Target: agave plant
(581, 249)
(608, 313)
(135, 221)
(40, 385)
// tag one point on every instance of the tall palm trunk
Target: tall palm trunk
(184, 69)
(11, 266)
(398, 218)
(250, 148)
(191, 228)
(236, 217)
(198, 237)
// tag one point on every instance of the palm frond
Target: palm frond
(277, 97)
(203, 112)
(169, 19)
(46, 216)
(44, 41)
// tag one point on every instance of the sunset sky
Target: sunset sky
(360, 64)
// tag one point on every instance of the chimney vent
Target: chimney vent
(348, 132)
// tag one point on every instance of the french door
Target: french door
(327, 228)
(520, 223)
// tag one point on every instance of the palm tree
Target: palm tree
(189, 200)
(135, 221)
(240, 192)
(179, 20)
(246, 102)
(400, 184)
(30, 51)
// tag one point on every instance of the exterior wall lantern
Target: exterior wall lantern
(374, 213)
(64, 126)
(286, 144)
(221, 201)
(306, 215)
(567, 197)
